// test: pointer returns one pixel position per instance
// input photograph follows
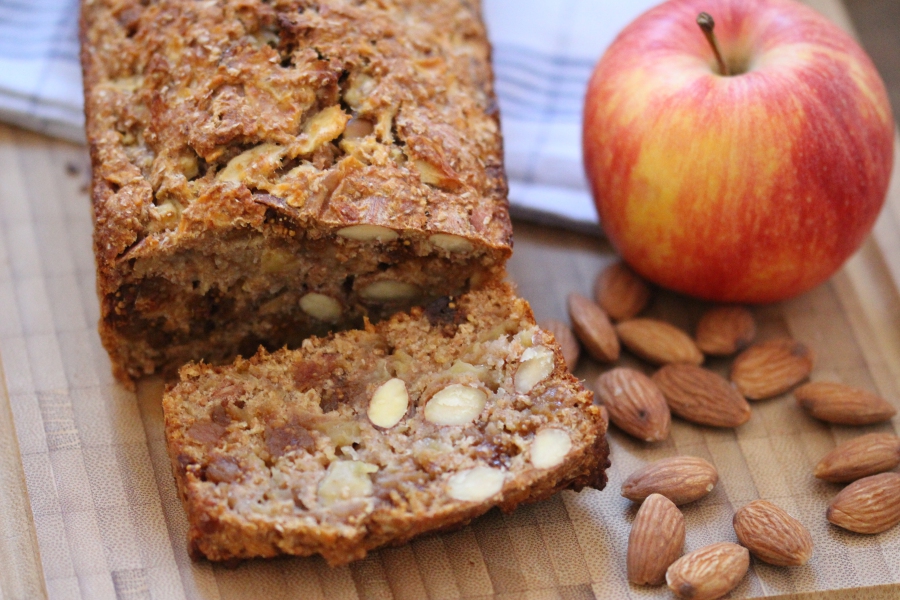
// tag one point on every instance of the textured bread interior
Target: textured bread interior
(253, 444)
(224, 295)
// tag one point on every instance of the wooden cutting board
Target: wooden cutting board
(88, 508)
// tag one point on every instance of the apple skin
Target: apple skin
(749, 188)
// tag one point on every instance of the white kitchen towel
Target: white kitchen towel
(40, 77)
(544, 51)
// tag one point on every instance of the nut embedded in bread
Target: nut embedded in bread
(263, 171)
(370, 437)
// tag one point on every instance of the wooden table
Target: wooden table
(88, 509)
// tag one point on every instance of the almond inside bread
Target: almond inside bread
(369, 437)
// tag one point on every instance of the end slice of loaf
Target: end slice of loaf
(265, 171)
(370, 437)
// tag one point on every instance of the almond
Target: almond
(772, 535)
(860, 457)
(389, 403)
(770, 368)
(701, 396)
(321, 307)
(620, 292)
(388, 290)
(476, 484)
(710, 572)
(681, 479)
(842, 404)
(535, 365)
(345, 479)
(724, 330)
(635, 404)
(592, 327)
(868, 505)
(456, 404)
(550, 448)
(655, 542)
(658, 342)
(566, 340)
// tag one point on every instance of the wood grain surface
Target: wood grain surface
(88, 508)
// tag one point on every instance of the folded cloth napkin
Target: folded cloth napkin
(544, 51)
(40, 77)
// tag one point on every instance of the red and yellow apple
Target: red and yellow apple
(748, 187)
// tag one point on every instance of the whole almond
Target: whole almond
(592, 327)
(658, 342)
(620, 292)
(860, 457)
(655, 542)
(868, 505)
(772, 535)
(708, 573)
(635, 404)
(724, 330)
(681, 479)
(770, 368)
(701, 396)
(566, 340)
(842, 404)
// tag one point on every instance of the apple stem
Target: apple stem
(706, 23)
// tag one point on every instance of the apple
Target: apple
(751, 185)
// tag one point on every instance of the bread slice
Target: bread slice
(263, 171)
(370, 437)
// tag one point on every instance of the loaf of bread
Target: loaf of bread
(267, 170)
(370, 437)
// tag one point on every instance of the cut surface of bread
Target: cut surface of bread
(370, 437)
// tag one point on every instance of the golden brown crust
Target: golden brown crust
(252, 443)
(174, 84)
(284, 118)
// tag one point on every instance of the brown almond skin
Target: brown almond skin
(772, 535)
(708, 573)
(843, 404)
(681, 479)
(568, 344)
(658, 342)
(656, 539)
(724, 330)
(635, 404)
(769, 368)
(621, 292)
(701, 396)
(860, 457)
(868, 505)
(592, 326)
